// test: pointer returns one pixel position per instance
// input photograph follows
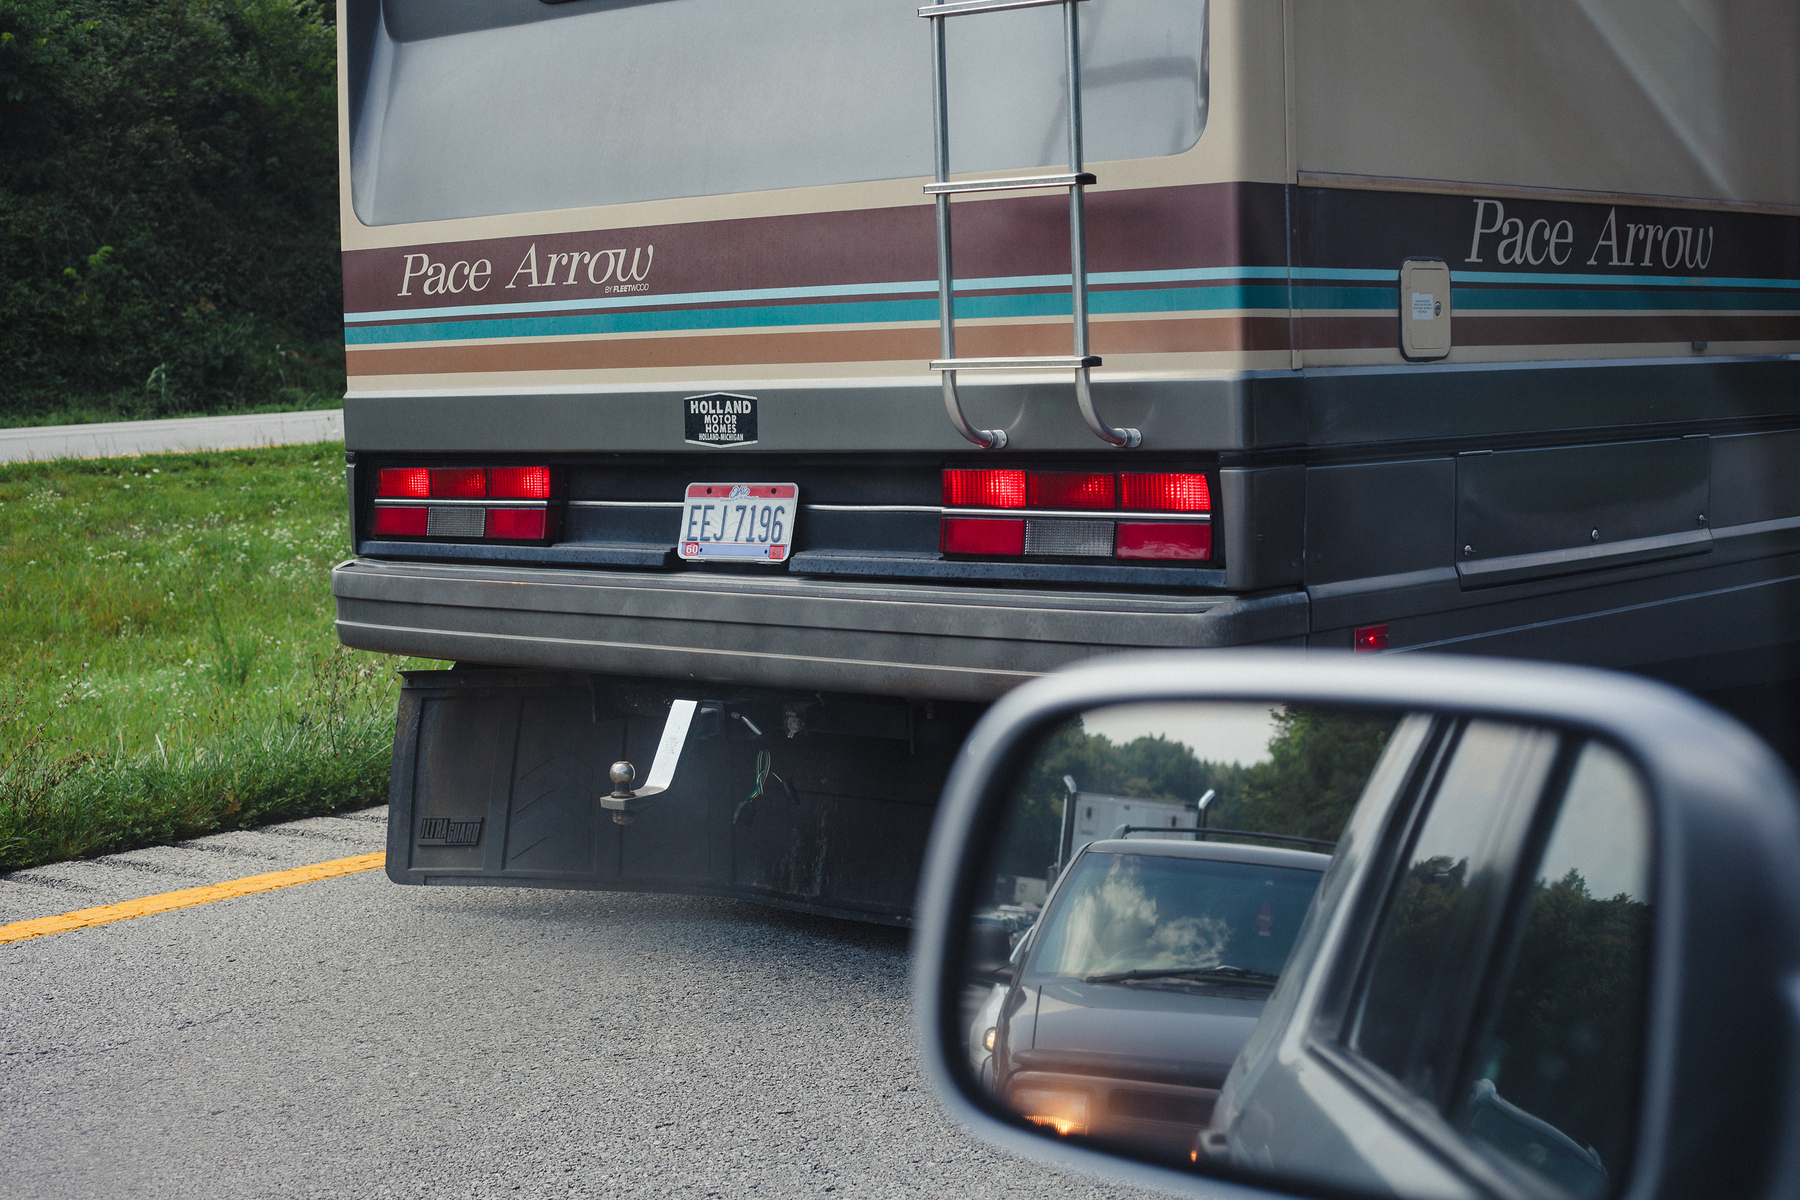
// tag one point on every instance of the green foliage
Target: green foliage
(167, 660)
(233, 656)
(1319, 761)
(1565, 1046)
(329, 752)
(1149, 768)
(168, 206)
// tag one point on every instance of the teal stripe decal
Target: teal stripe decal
(1052, 304)
(1465, 299)
(1002, 283)
(1618, 280)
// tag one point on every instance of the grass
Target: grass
(167, 662)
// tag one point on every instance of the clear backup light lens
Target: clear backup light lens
(981, 535)
(519, 483)
(984, 489)
(516, 524)
(401, 522)
(1069, 489)
(458, 483)
(1164, 539)
(1166, 493)
(403, 483)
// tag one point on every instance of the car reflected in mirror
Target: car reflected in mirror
(1161, 932)
(1389, 929)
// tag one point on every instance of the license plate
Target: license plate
(738, 522)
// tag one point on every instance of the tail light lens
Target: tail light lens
(984, 489)
(458, 512)
(458, 483)
(401, 522)
(1063, 534)
(1164, 540)
(519, 483)
(516, 524)
(403, 483)
(1068, 489)
(1165, 493)
(979, 535)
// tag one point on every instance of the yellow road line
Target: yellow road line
(19, 931)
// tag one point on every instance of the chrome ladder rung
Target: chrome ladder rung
(962, 8)
(1054, 362)
(1017, 183)
(1075, 179)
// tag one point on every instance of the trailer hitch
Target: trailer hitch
(624, 801)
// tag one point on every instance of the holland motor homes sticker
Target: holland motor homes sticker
(719, 419)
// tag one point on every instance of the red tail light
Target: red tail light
(984, 489)
(1165, 493)
(519, 483)
(403, 483)
(1370, 638)
(401, 522)
(1164, 539)
(979, 535)
(527, 519)
(458, 483)
(1069, 489)
(516, 524)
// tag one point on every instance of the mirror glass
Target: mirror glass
(1399, 954)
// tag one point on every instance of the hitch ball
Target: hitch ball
(622, 775)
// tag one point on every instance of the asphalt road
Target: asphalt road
(115, 438)
(351, 1038)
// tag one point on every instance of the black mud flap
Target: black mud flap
(499, 776)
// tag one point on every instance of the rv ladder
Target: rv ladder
(1074, 179)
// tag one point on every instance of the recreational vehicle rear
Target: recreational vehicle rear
(837, 365)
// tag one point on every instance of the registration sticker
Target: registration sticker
(738, 522)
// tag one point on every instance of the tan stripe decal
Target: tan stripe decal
(1178, 335)
(85, 918)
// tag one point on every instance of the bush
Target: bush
(168, 204)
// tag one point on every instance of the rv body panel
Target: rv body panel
(1480, 327)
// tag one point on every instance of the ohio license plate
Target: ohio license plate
(738, 522)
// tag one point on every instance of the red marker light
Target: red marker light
(1165, 493)
(400, 522)
(1370, 638)
(519, 483)
(976, 535)
(516, 524)
(984, 489)
(1069, 489)
(458, 483)
(403, 483)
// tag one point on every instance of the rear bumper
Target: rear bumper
(924, 641)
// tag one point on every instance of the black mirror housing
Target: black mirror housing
(1718, 1109)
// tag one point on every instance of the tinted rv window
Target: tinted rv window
(518, 106)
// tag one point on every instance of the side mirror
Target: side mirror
(1443, 928)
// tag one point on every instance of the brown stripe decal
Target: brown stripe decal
(1147, 229)
(1174, 336)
